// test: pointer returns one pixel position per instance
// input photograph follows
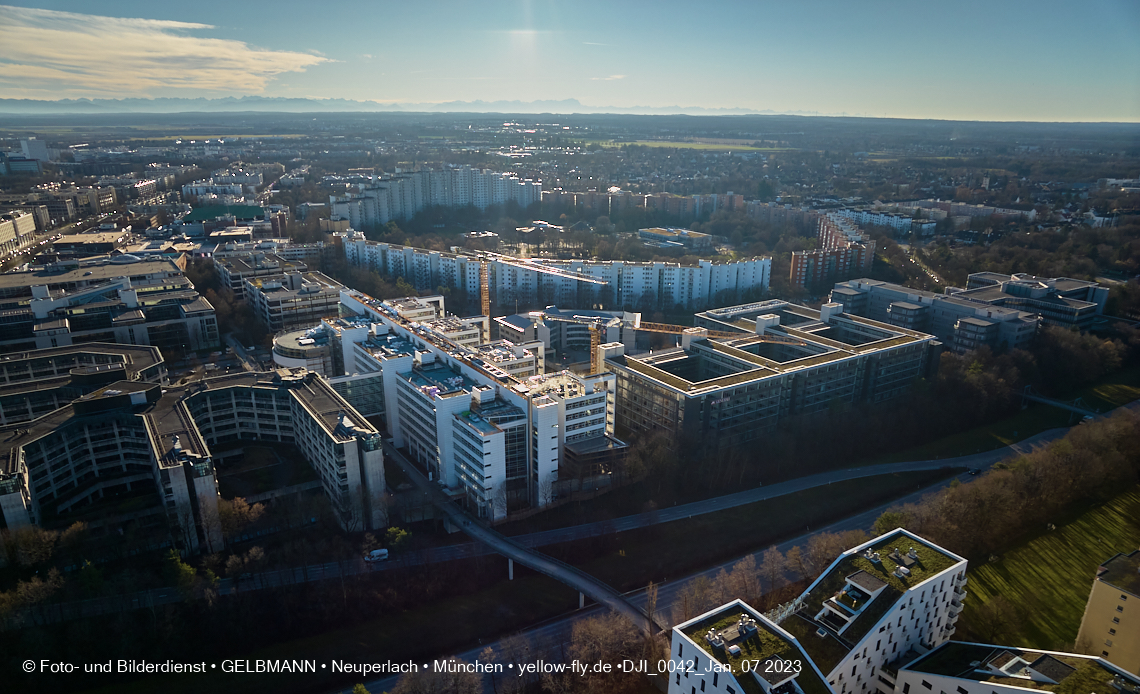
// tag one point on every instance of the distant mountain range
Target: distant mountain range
(263, 104)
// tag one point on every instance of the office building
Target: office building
(234, 268)
(720, 392)
(35, 149)
(570, 283)
(124, 299)
(140, 438)
(1110, 627)
(1062, 301)
(961, 323)
(293, 300)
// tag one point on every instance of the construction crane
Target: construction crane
(485, 258)
(595, 326)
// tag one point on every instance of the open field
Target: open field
(1046, 579)
(709, 146)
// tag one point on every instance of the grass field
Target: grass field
(1047, 578)
(709, 146)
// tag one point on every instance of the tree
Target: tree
(772, 567)
(397, 538)
(610, 639)
(889, 520)
(236, 515)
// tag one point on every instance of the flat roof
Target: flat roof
(1123, 572)
(105, 269)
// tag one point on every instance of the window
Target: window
(1116, 620)
(1108, 642)
(716, 676)
(1104, 654)
(1112, 632)
(1123, 597)
(702, 685)
(927, 684)
(730, 690)
(1120, 608)
(962, 690)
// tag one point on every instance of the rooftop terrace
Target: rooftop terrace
(1015, 667)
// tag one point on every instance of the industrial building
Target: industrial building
(117, 429)
(725, 391)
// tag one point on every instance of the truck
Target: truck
(376, 555)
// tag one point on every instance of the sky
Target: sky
(1046, 60)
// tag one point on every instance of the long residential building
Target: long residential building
(401, 196)
(117, 428)
(720, 392)
(571, 283)
(965, 320)
(122, 299)
(463, 413)
(1110, 626)
(878, 620)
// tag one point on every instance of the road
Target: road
(575, 578)
(318, 572)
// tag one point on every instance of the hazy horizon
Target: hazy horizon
(1008, 62)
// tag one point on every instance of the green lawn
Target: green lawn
(1047, 578)
(1121, 388)
(710, 146)
(1034, 420)
(632, 559)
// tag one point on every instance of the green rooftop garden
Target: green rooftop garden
(762, 645)
(826, 651)
(930, 562)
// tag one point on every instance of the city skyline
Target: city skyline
(1010, 62)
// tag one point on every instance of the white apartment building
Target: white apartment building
(403, 195)
(17, 230)
(567, 283)
(451, 405)
(877, 620)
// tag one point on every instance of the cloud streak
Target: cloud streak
(608, 79)
(49, 54)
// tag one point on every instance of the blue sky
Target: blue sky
(1045, 60)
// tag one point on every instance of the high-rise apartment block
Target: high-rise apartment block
(570, 283)
(402, 195)
(843, 251)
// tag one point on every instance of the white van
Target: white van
(376, 555)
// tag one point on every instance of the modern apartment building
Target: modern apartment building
(581, 283)
(877, 621)
(960, 322)
(17, 231)
(123, 299)
(843, 250)
(1110, 627)
(293, 300)
(788, 360)
(451, 405)
(141, 438)
(403, 195)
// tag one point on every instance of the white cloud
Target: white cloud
(610, 78)
(48, 54)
